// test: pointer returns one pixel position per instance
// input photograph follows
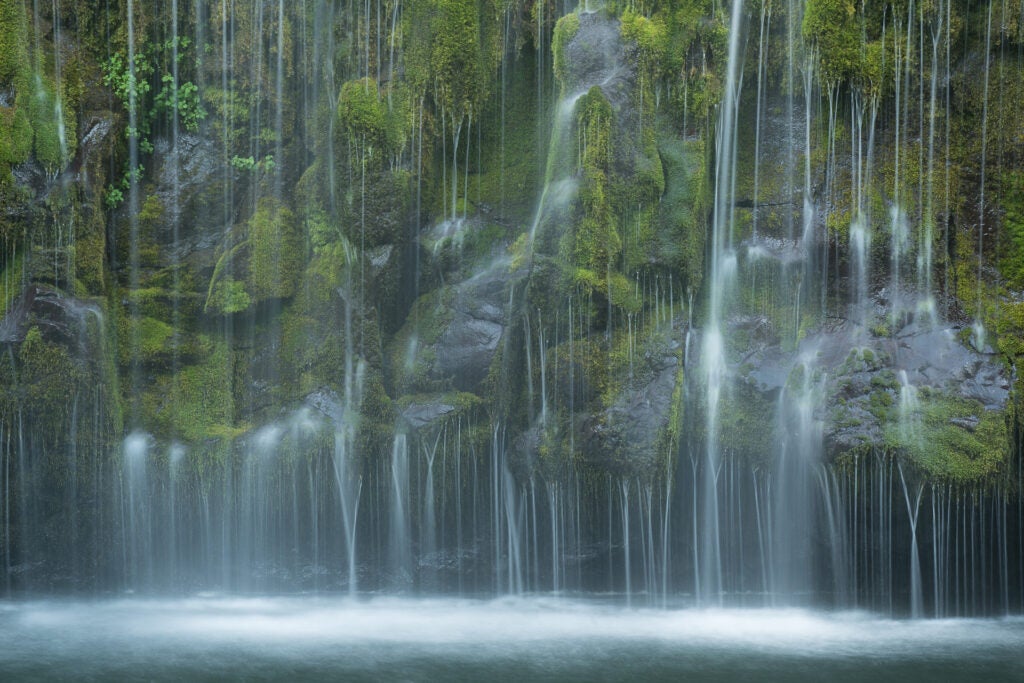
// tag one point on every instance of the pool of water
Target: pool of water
(549, 639)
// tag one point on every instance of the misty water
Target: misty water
(509, 639)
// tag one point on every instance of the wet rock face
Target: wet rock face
(59, 318)
(863, 376)
(189, 181)
(327, 403)
(467, 346)
(95, 148)
(624, 438)
(936, 358)
(422, 414)
(594, 54)
(32, 176)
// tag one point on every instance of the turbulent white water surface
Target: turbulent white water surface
(214, 637)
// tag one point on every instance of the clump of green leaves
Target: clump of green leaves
(250, 163)
(152, 95)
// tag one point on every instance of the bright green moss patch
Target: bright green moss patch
(412, 353)
(276, 252)
(651, 36)
(13, 43)
(565, 29)
(53, 131)
(148, 339)
(833, 27)
(365, 117)
(595, 242)
(1010, 328)
(952, 439)
(270, 252)
(196, 403)
(15, 77)
(229, 296)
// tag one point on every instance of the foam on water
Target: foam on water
(418, 639)
(278, 620)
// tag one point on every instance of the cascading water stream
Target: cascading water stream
(799, 455)
(722, 273)
(399, 538)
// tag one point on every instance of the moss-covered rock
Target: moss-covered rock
(277, 252)
(682, 212)
(952, 439)
(636, 434)
(364, 117)
(197, 402)
(15, 82)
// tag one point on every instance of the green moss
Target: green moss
(651, 36)
(196, 403)
(462, 401)
(463, 55)
(149, 338)
(565, 29)
(1010, 329)
(880, 404)
(157, 297)
(1012, 201)
(48, 145)
(276, 252)
(15, 73)
(596, 243)
(225, 264)
(885, 380)
(881, 329)
(10, 282)
(229, 296)
(673, 434)
(365, 117)
(833, 28)
(746, 421)
(957, 439)
(13, 43)
(90, 254)
(377, 424)
(613, 285)
(47, 377)
(151, 212)
(315, 324)
(682, 211)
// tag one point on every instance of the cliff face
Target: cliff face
(486, 231)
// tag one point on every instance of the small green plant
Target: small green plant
(113, 197)
(243, 163)
(249, 163)
(133, 81)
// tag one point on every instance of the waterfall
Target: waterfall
(793, 478)
(399, 538)
(723, 267)
(138, 510)
(296, 357)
